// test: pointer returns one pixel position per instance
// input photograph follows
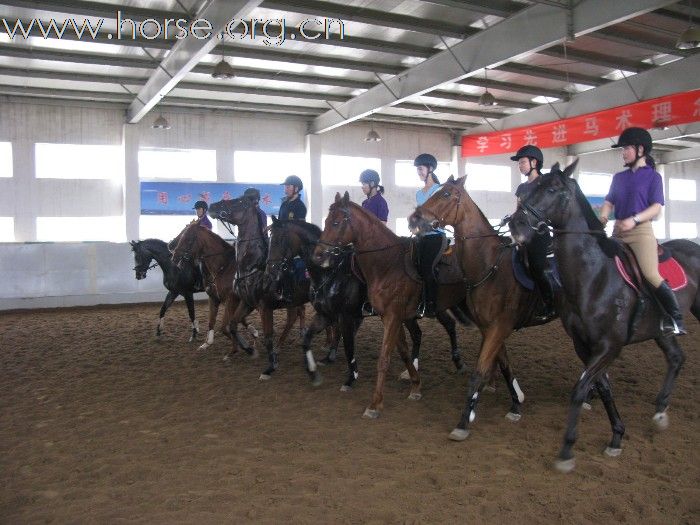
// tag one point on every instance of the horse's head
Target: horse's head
(284, 246)
(546, 205)
(338, 233)
(231, 211)
(440, 209)
(142, 259)
(187, 247)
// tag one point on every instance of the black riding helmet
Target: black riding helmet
(635, 137)
(252, 193)
(531, 152)
(200, 204)
(293, 180)
(426, 159)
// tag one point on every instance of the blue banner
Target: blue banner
(178, 198)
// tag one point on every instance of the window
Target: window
(167, 227)
(79, 161)
(596, 184)
(339, 170)
(268, 167)
(177, 164)
(402, 227)
(682, 190)
(543, 171)
(659, 227)
(5, 159)
(7, 229)
(683, 230)
(405, 173)
(68, 229)
(485, 177)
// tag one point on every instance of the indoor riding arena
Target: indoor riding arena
(206, 205)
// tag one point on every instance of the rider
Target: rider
(200, 208)
(253, 195)
(530, 160)
(637, 196)
(430, 245)
(292, 206)
(374, 202)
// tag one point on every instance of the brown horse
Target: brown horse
(382, 258)
(497, 303)
(219, 259)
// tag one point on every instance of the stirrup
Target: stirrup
(673, 327)
(367, 309)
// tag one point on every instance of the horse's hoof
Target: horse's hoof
(661, 420)
(326, 361)
(203, 347)
(612, 452)
(512, 416)
(586, 406)
(370, 413)
(462, 370)
(415, 396)
(346, 388)
(459, 434)
(565, 465)
(317, 380)
(253, 331)
(264, 377)
(405, 376)
(490, 388)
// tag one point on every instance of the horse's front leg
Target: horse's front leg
(169, 300)
(392, 325)
(416, 335)
(516, 394)
(318, 323)
(292, 314)
(415, 394)
(448, 323)
(213, 312)
(230, 324)
(491, 345)
(189, 301)
(266, 315)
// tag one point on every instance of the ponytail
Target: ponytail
(380, 188)
(434, 177)
(650, 161)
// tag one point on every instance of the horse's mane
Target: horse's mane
(152, 243)
(309, 228)
(609, 246)
(220, 240)
(372, 217)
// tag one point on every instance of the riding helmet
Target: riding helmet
(531, 152)
(634, 137)
(252, 193)
(293, 180)
(200, 204)
(370, 177)
(425, 159)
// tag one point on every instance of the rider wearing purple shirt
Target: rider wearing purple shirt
(201, 208)
(374, 202)
(637, 197)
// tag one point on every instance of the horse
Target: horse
(497, 303)
(382, 257)
(337, 293)
(218, 257)
(253, 285)
(178, 281)
(599, 310)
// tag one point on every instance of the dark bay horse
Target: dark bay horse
(497, 303)
(219, 258)
(337, 293)
(178, 281)
(394, 294)
(253, 285)
(600, 312)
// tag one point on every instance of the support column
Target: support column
(24, 175)
(457, 160)
(388, 180)
(315, 194)
(132, 187)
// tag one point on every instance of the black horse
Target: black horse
(337, 294)
(600, 312)
(251, 284)
(177, 281)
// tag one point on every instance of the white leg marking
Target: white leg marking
(210, 337)
(472, 416)
(195, 325)
(310, 361)
(161, 323)
(415, 363)
(519, 393)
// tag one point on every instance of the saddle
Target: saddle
(522, 273)
(447, 268)
(669, 268)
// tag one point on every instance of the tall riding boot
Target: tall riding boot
(544, 286)
(430, 288)
(669, 303)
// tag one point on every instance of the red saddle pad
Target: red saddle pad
(669, 270)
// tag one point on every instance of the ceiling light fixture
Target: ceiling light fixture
(223, 70)
(486, 98)
(161, 123)
(690, 38)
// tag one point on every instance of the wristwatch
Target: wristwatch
(636, 219)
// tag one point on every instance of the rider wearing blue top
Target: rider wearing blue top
(430, 245)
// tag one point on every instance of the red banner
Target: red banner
(680, 108)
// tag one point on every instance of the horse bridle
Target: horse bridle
(442, 221)
(534, 217)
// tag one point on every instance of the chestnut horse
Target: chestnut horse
(497, 303)
(599, 310)
(337, 293)
(382, 257)
(253, 285)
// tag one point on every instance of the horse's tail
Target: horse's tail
(460, 316)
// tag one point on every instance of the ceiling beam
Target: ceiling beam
(596, 59)
(186, 54)
(674, 77)
(674, 132)
(511, 86)
(491, 47)
(644, 41)
(550, 74)
(682, 155)
(474, 99)
(500, 8)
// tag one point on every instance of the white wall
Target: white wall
(62, 274)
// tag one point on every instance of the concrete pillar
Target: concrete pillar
(24, 177)
(314, 196)
(132, 187)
